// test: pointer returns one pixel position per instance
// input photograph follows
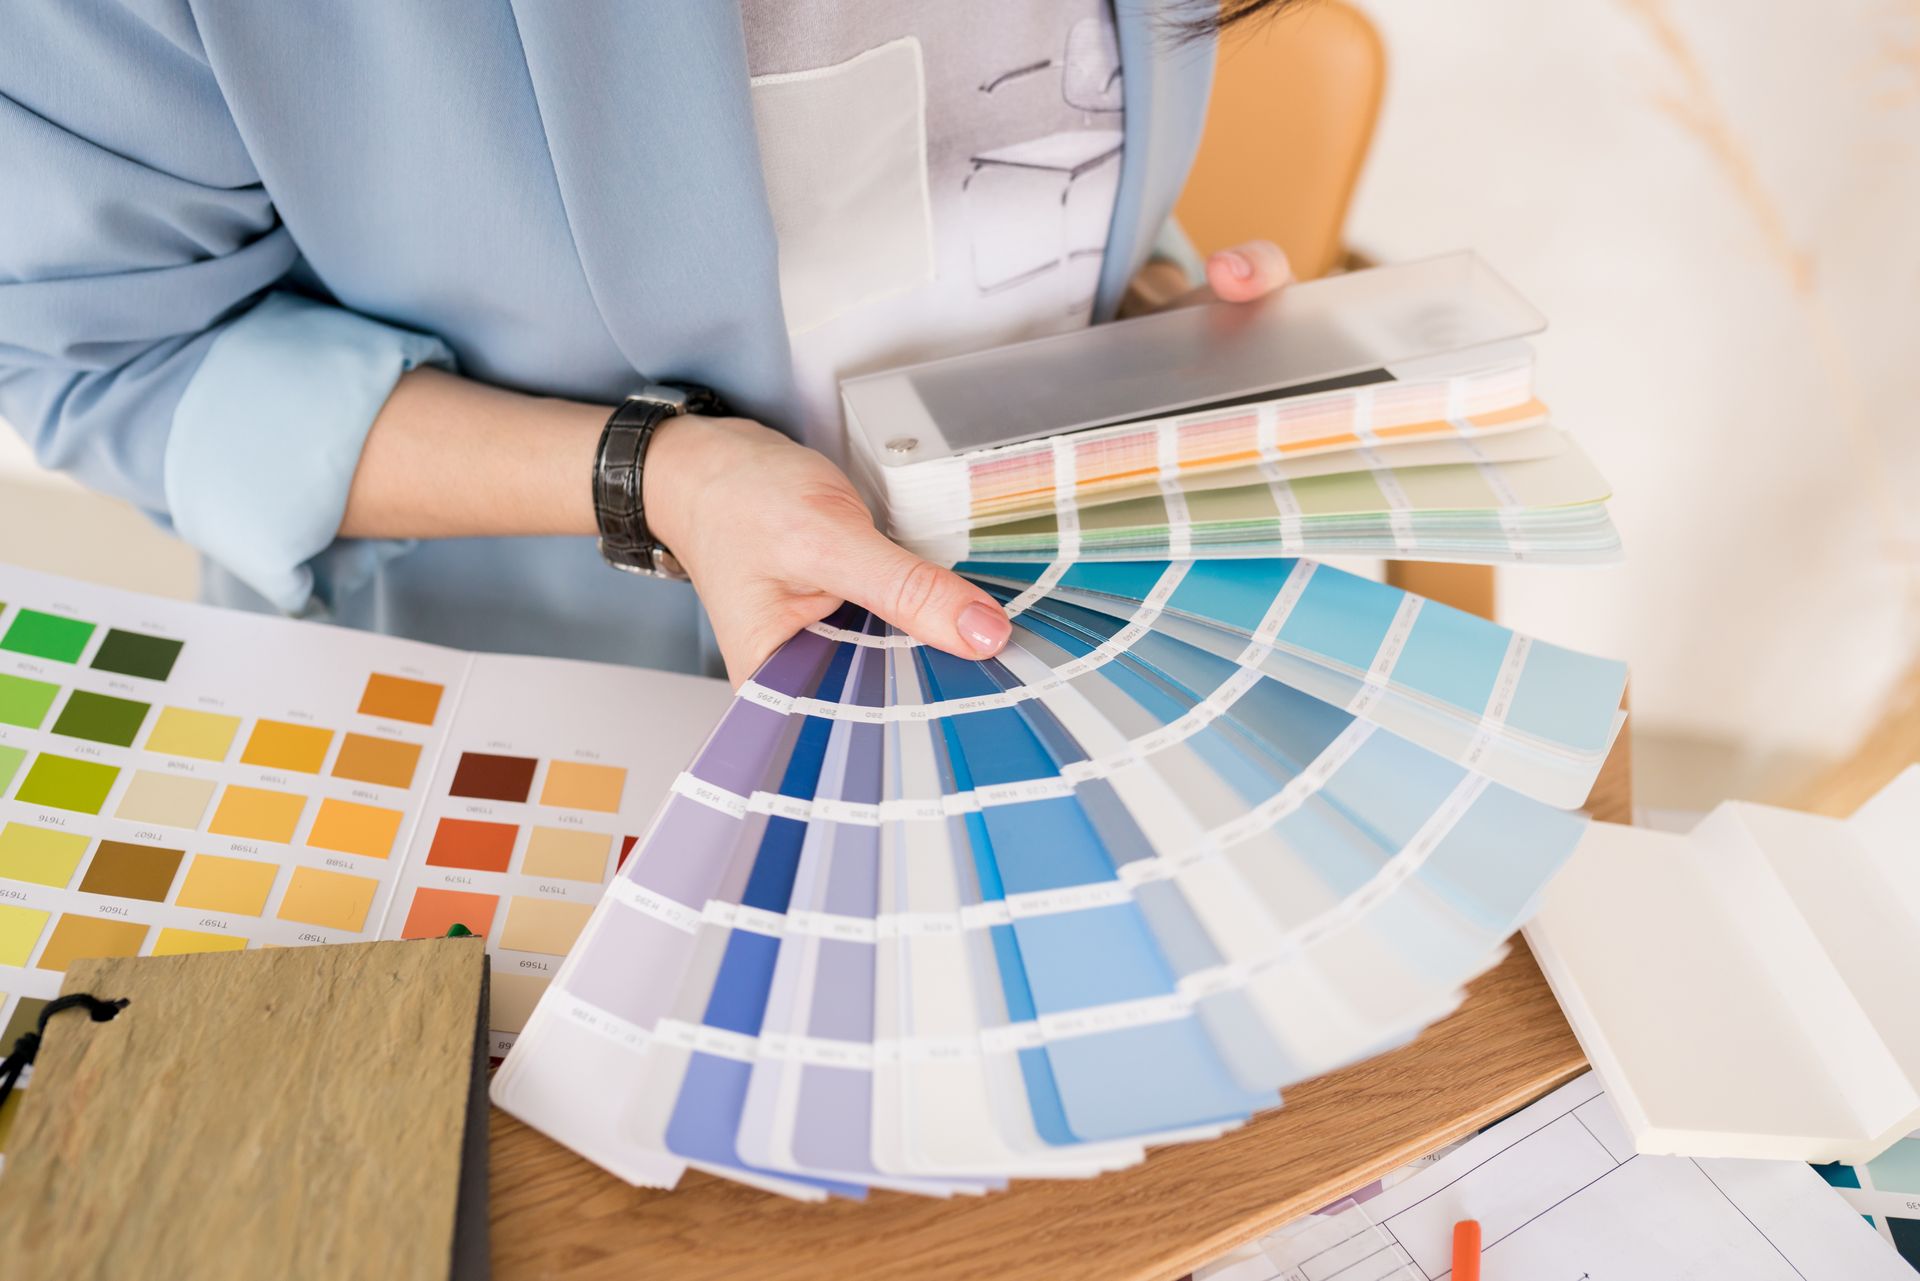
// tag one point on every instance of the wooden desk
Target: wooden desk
(556, 1216)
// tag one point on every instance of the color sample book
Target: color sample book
(175, 778)
(1388, 412)
(1744, 989)
(267, 1092)
(1201, 831)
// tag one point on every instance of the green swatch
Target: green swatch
(10, 758)
(47, 636)
(62, 783)
(25, 702)
(137, 654)
(101, 718)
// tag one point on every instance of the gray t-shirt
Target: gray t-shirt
(941, 175)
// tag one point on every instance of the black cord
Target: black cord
(28, 1045)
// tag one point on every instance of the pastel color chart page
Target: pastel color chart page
(176, 778)
(1201, 831)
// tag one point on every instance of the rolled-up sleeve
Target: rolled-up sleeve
(149, 345)
(265, 438)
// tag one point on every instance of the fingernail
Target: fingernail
(985, 628)
(1238, 264)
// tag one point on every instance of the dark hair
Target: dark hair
(1211, 17)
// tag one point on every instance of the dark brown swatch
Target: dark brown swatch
(493, 778)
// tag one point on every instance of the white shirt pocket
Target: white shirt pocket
(844, 153)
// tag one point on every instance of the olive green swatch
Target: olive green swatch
(101, 718)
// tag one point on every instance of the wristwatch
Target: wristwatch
(619, 464)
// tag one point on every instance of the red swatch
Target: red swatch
(472, 844)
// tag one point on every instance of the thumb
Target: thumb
(1248, 271)
(933, 605)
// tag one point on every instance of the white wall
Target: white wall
(1718, 207)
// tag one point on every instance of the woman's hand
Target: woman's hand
(775, 538)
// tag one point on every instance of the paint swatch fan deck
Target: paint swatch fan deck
(1387, 412)
(1203, 830)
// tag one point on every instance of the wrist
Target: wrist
(690, 456)
(576, 429)
(671, 479)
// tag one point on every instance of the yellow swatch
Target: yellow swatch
(205, 736)
(255, 813)
(40, 855)
(82, 936)
(227, 885)
(174, 942)
(333, 900)
(354, 829)
(19, 930)
(282, 745)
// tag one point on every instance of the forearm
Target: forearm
(773, 534)
(452, 458)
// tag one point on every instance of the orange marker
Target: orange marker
(1466, 1250)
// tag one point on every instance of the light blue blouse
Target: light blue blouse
(227, 228)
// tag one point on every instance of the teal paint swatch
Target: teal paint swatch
(1898, 1168)
(47, 636)
(24, 702)
(137, 654)
(101, 718)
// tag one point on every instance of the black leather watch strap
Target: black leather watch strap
(619, 471)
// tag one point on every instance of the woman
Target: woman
(345, 294)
